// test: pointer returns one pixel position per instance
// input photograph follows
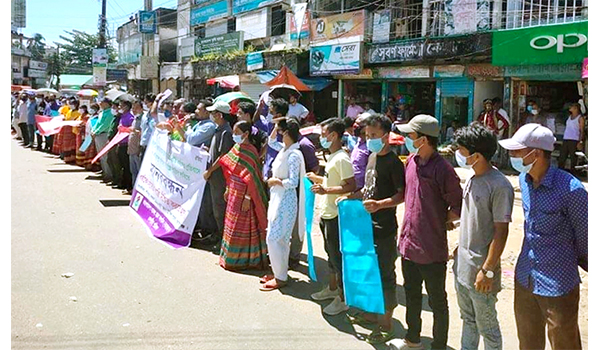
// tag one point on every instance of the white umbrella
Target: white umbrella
(47, 92)
(114, 94)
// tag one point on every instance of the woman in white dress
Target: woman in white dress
(287, 191)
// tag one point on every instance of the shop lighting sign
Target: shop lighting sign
(549, 44)
(147, 22)
(335, 59)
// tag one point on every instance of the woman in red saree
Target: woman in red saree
(244, 236)
(79, 132)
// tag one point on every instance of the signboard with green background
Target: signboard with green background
(219, 44)
(549, 44)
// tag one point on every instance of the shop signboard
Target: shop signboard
(254, 25)
(219, 44)
(186, 49)
(149, 67)
(99, 57)
(254, 61)
(240, 6)
(549, 44)
(35, 73)
(404, 72)
(545, 71)
(485, 71)
(584, 69)
(116, 74)
(381, 26)
(17, 75)
(38, 65)
(99, 76)
(335, 59)
(147, 22)
(338, 26)
(210, 12)
(365, 74)
(466, 16)
(430, 49)
(302, 16)
(450, 71)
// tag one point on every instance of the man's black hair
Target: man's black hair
(150, 97)
(348, 122)
(380, 121)
(189, 107)
(291, 126)
(247, 107)
(127, 104)
(477, 139)
(280, 106)
(335, 125)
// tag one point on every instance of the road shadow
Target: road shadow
(115, 202)
(74, 170)
(401, 298)
(94, 177)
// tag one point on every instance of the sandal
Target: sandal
(266, 278)
(272, 285)
(380, 336)
(359, 319)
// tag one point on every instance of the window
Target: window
(407, 18)
(527, 13)
(231, 25)
(278, 21)
(200, 32)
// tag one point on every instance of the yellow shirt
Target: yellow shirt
(337, 169)
(64, 110)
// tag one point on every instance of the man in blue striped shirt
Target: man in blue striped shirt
(555, 205)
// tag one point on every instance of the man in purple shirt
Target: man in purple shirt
(360, 153)
(433, 199)
(126, 121)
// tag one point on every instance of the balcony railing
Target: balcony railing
(522, 13)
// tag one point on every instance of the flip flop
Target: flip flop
(266, 278)
(358, 319)
(380, 336)
(267, 288)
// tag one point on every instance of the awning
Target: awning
(74, 80)
(229, 81)
(286, 76)
(314, 83)
(170, 71)
(188, 71)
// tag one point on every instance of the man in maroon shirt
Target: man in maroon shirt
(433, 198)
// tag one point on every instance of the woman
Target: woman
(79, 132)
(243, 246)
(58, 138)
(573, 137)
(288, 174)
(68, 135)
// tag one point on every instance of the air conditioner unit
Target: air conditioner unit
(401, 28)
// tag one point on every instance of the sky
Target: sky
(52, 17)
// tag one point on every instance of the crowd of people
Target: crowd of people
(252, 209)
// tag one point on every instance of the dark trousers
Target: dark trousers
(331, 237)
(534, 312)
(387, 253)
(212, 209)
(568, 149)
(206, 219)
(124, 165)
(49, 143)
(434, 276)
(115, 167)
(24, 133)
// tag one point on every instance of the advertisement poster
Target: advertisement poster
(99, 75)
(147, 22)
(338, 26)
(335, 59)
(381, 26)
(169, 189)
(219, 44)
(254, 61)
(99, 57)
(300, 24)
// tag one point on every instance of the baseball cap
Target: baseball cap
(220, 106)
(530, 136)
(423, 124)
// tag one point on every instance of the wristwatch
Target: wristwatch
(488, 274)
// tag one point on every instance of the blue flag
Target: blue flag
(309, 202)
(360, 266)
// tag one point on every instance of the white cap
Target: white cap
(530, 136)
(220, 106)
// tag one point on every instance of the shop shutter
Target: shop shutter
(253, 90)
(457, 87)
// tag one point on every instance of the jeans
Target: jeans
(101, 140)
(31, 133)
(135, 162)
(434, 276)
(478, 312)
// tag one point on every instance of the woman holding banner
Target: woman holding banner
(79, 132)
(288, 172)
(58, 138)
(243, 246)
(68, 134)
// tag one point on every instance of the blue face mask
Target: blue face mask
(238, 138)
(410, 145)
(324, 142)
(375, 145)
(168, 114)
(517, 164)
(529, 109)
(462, 160)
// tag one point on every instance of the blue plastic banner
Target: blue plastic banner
(86, 143)
(360, 266)
(309, 202)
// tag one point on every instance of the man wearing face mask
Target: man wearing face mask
(555, 243)
(149, 121)
(486, 213)
(221, 143)
(133, 144)
(100, 135)
(432, 200)
(125, 123)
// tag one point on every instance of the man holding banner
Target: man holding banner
(382, 193)
(100, 134)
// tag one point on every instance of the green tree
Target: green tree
(78, 47)
(56, 67)
(37, 47)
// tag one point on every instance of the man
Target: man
(369, 109)
(258, 137)
(338, 181)
(296, 109)
(403, 114)
(23, 114)
(497, 106)
(492, 120)
(31, 111)
(113, 154)
(382, 193)
(432, 202)
(149, 121)
(100, 135)
(353, 109)
(221, 143)
(133, 143)
(555, 205)
(125, 123)
(360, 153)
(486, 213)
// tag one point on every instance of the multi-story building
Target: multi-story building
(20, 56)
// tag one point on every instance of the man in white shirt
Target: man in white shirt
(368, 109)
(23, 120)
(296, 109)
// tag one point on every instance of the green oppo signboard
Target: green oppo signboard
(548, 44)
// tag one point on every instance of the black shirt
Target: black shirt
(384, 178)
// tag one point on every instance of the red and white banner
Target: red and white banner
(53, 126)
(123, 133)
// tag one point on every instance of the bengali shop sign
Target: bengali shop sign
(335, 59)
(169, 189)
(338, 26)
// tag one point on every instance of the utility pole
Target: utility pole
(102, 33)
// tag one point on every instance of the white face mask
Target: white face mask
(535, 112)
(81, 111)
(121, 110)
(114, 111)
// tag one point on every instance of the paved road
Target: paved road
(135, 293)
